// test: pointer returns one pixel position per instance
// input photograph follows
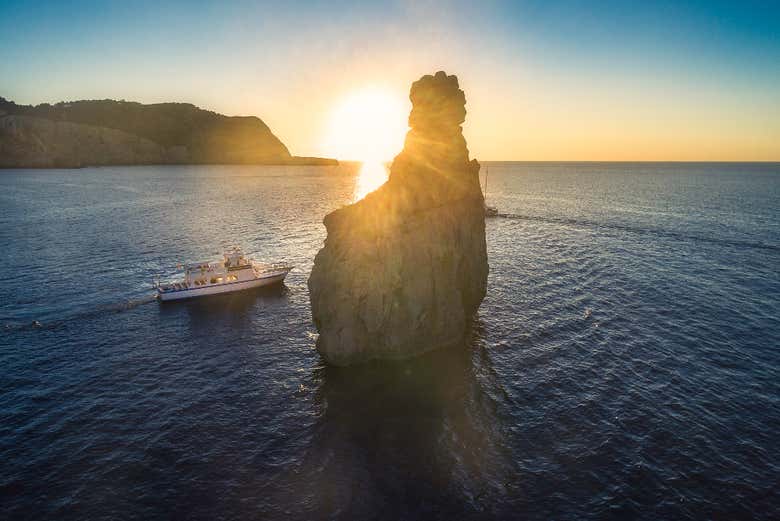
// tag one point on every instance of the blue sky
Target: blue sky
(544, 80)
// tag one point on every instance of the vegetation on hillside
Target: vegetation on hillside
(168, 124)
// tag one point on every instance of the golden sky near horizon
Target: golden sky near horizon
(543, 82)
(532, 122)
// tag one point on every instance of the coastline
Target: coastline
(120, 133)
(294, 161)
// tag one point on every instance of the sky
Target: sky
(544, 80)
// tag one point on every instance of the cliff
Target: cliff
(106, 132)
(403, 270)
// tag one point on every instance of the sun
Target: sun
(367, 125)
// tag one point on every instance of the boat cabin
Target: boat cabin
(234, 260)
(234, 268)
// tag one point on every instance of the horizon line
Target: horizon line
(691, 161)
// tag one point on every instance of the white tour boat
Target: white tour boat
(234, 273)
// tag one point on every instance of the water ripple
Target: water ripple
(622, 365)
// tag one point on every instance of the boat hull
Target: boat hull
(219, 289)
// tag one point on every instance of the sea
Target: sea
(625, 363)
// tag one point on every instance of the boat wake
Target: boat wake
(97, 311)
(658, 232)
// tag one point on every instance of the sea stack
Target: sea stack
(404, 269)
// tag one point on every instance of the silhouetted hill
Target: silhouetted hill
(100, 132)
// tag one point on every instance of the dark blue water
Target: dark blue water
(625, 363)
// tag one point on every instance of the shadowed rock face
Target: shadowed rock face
(28, 142)
(404, 269)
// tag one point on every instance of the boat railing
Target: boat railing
(171, 286)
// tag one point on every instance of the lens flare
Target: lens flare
(367, 125)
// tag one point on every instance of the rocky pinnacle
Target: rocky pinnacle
(404, 269)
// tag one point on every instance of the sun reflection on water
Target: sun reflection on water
(372, 175)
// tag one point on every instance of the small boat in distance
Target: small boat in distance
(235, 273)
(490, 211)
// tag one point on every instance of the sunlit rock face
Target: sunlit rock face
(403, 270)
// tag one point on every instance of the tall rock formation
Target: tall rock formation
(404, 269)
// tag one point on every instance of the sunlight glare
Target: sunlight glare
(372, 175)
(368, 125)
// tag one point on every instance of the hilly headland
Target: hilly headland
(108, 132)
